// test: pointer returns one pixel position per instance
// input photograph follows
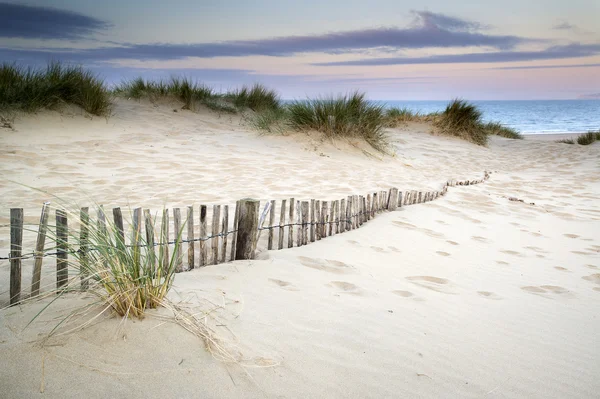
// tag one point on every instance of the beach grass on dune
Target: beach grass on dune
(462, 119)
(31, 89)
(257, 98)
(583, 139)
(498, 129)
(588, 138)
(396, 116)
(349, 116)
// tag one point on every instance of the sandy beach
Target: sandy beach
(468, 296)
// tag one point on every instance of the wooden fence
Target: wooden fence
(301, 222)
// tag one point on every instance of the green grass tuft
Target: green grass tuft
(498, 129)
(257, 98)
(566, 141)
(344, 116)
(183, 89)
(588, 138)
(463, 120)
(29, 89)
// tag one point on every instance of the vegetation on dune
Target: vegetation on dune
(583, 139)
(30, 89)
(588, 138)
(396, 116)
(463, 120)
(344, 116)
(498, 129)
(257, 98)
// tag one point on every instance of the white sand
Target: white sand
(471, 295)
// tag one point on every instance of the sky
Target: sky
(390, 49)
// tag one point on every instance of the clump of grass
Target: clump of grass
(29, 89)
(183, 89)
(396, 116)
(566, 141)
(588, 138)
(463, 120)
(257, 98)
(344, 116)
(498, 129)
(271, 120)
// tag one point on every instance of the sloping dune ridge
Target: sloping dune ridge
(468, 296)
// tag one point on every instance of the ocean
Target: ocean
(528, 117)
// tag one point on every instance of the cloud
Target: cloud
(564, 26)
(552, 53)
(431, 20)
(29, 22)
(550, 66)
(430, 30)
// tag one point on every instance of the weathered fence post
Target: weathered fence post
(399, 199)
(216, 218)
(137, 236)
(312, 220)
(318, 219)
(305, 212)
(349, 211)
(62, 240)
(16, 246)
(39, 252)
(190, 237)
(292, 221)
(324, 218)
(235, 225)
(178, 231)
(224, 233)
(164, 240)
(271, 226)
(203, 235)
(331, 217)
(150, 237)
(248, 229)
(118, 218)
(393, 199)
(300, 239)
(337, 216)
(281, 225)
(84, 243)
(342, 215)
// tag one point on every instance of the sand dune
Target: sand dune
(471, 295)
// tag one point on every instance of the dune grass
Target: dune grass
(350, 116)
(588, 138)
(498, 129)
(30, 89)
(583, 139)
(257, 98)
(462, 119)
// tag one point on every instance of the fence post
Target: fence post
(399, 199)
(216, 218)
(292, 221)
(62, 238)
(137, 236)
(150, 237)
(39, 252)
(16, 245)
(247, 229)
(224, 229)
(342, 215)
(305, 213)
(178, 233)
(84, 235)
(190, 237)
(164, 239)
(281, 225)
(393, 199)
(234, 228)
(203, 235)
(271, 228)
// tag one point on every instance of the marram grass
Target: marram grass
(462, 119)
(30, 89)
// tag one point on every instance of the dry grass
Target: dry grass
(463, 120)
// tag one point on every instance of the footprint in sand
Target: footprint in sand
(378, 249)
(284, 284)
(581, 253)
(562, 269)
(548, 291)
(479, 238)
(394, 249)
(328, 265)
(571, 235)
(592, 267)
(452, 242)
(441, 222)
(432, 283)
(442, 253)
(501, 262)
(594, 278)
(489, 295)
(510, 252)
(353, 242)
(403, 294)
(346, 288)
